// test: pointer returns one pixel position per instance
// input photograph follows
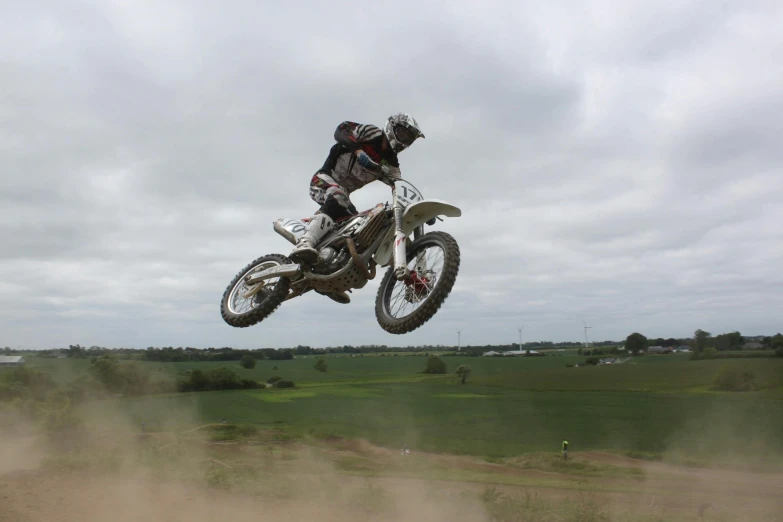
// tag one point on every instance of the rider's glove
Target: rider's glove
(389, 174)
(365, 161)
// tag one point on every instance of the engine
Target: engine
(330, 260)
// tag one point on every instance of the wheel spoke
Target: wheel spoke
(411, 295)
(238, 304)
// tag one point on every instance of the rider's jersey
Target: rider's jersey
(341, 163)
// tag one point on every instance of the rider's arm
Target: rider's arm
(344, 135)
(351, 135)
(366, 161)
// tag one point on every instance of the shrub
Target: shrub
(126, 378)
(224, 379)
(273, 380)
(284, 384)
(320, 365)
(25, 383)
(247, 362)
(733, 378)
(218, 379)
(462, 372)
(435, 365)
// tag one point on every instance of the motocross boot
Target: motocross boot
(305, 251)
(339, 297)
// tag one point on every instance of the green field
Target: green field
(657, 405)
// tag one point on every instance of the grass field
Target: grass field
(502, 429)
(655, 405)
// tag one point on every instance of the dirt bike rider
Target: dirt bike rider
(363, 154)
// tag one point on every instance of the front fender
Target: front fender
(414, 215)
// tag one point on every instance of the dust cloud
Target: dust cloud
(110, 467)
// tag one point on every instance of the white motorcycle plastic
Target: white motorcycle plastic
(420, 275)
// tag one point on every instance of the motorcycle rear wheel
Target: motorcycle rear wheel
(270, 296)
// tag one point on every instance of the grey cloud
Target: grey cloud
(616, 165)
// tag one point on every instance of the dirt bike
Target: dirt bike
(348, 256)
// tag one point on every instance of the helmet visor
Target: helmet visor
(405, 135)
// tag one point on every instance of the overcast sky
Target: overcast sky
(618, 163)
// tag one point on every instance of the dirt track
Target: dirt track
(667, 492)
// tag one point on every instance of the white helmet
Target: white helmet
(402, 130)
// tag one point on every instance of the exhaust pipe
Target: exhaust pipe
(290, 271)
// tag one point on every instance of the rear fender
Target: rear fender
(291, 229)
(414, 215)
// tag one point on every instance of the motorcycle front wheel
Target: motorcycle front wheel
(433, 260)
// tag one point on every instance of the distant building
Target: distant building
(607, 360)
(490, 354)
(512, 353)
(11, 360)
(752, 346)
(660, 349)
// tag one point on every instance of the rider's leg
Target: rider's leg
(335, 204)
(322, 189)
(305, 250)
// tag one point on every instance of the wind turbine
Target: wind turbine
(459, 340)
(586, 328)
(520, 336)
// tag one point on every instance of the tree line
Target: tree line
(703, 343)
(190, 354)
(635, 343)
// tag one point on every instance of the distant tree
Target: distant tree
(776, 343)
(321, 365)
(435, 365)
(700, 339)
(462, 372)
(579, 351)
(660, 341)
(729, 341)
(247, 362)
(75, 351)
(636, 343)
(106, 370)
(670, 342)
(224, 379)
(197, 380)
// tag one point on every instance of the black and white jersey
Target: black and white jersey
(341, 163)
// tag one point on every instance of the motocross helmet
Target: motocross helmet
(402, 130)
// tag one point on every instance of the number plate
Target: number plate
(407, 194)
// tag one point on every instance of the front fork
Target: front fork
(401, 271)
